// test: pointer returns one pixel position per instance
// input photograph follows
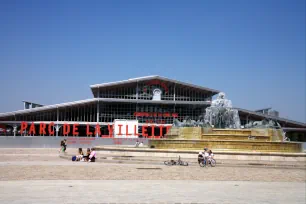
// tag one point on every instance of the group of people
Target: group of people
(139, 144)
(205, 155)
(89, 156)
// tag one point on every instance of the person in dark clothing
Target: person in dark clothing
(64, 145)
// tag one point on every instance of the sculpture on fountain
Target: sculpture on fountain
(265, 123)
(188, 122)
(221, 113)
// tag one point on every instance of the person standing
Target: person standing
(64, 145)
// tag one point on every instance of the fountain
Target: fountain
(221, 114)
(220, 129)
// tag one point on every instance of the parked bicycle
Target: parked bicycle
(178, 162)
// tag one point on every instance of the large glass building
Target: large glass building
(152, 100)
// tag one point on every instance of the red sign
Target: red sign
(156, 121)
(157, 82)
(155, 114)
(67, 129)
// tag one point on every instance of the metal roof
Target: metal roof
(48, 107)
(81, 102)
(146, 78)
(271, 117)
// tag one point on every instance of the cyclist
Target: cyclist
(210, 155)
(203, 156)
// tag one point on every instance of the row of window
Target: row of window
(145, 92)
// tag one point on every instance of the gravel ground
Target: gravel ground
(45, 164)
(67, 170)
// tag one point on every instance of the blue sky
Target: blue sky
(254, 51)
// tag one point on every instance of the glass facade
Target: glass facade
(144, 91)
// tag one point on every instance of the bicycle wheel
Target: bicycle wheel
(168, 163)
(184, 163)
(202, 164)
(212, 163)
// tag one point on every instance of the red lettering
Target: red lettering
(127, 130)
(153, 128)
(88, 130)
(166, 114)
(23, 127)
(175, 115)
(144, 131)
(120, 133)
(168, 128)
(75, 129)
(66, 129)
(160, 131)
(110, 130)
(98, 130)
(50, 128)
(32, 129)
(135, 132)
(154, 114)
(42, 127)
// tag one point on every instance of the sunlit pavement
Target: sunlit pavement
(149, 191)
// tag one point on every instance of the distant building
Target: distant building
(268, 111)
(151, 100)
(30, 105)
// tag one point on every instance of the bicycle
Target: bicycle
(178, 162)
(209, 161)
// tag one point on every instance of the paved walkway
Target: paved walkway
(149, 191)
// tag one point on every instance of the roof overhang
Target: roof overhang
(48, 107)
(271, 117)
(147, 78)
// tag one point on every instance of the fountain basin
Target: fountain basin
(227, 145)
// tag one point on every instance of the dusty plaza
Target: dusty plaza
(28, 175)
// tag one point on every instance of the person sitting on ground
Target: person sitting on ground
(80, 154)
(92, 156)
(85, 157)
(141, 144)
